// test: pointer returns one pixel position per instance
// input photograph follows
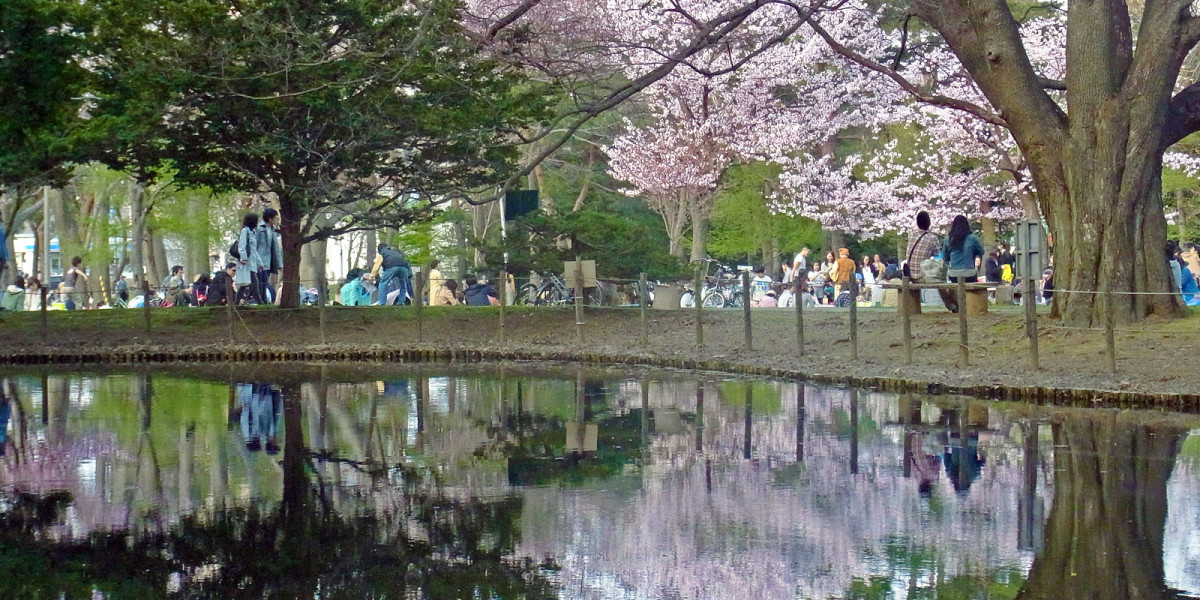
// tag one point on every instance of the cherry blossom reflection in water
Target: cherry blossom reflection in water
(669, 485)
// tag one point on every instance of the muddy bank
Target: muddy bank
(1153, 360)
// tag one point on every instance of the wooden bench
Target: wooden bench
(977, 295)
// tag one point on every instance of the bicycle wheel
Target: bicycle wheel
(595, 297)
(528, 294)
(714, 299)
(687, 299)
(735, 301)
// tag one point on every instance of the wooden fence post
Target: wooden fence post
(1110, 338)
(642, 300)
(1029, 296)
(963, 350)
(746, 310)
(146, 303)
(502, 291)
(418, 303)
(322, 291)
(905, 320)
(801, 283)
(853, 317)
(45, 326)
(230, 300)
(578, 299)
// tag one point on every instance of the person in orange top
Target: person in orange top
(844, 272)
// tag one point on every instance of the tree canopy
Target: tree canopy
(358, 112)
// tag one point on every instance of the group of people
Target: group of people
(959, 256)
(25, 293)
(390, 282)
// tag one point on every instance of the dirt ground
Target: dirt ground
(1152, 357)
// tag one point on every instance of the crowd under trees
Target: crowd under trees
(744, 128)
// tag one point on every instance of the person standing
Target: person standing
(74, 279)
(270, 255)
(247, 261)
(800, 265)
(435, 279)
(962, 252)
(843, 272)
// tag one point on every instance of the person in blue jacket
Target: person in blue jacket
(962, 251)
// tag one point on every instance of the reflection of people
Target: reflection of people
(960, 457)
(5, 412)
(259, 405)
(925, 467)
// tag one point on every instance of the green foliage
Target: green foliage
(616, 234)
(42, 80)
(742, 221)
(344, 109)
(767, 396)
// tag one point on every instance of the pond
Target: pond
(501, 481)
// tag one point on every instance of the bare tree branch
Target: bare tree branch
(908, 86)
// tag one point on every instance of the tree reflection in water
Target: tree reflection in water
(425, 486)
(402, 538)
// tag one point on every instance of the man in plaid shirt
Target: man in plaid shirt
(921, 245)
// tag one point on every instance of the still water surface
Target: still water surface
(505, 483)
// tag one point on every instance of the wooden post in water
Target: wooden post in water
(853, 318)
(146, 303)
(1110, 338)
(578, 299)
(698, 298)
(502, 290)
(905, 320)
(963, 352)
(1031, 318)
(45, 326)
(644, 297)
(801, 281)
(746, 310)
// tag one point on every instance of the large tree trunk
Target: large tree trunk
(1098, 172)
(291, 238)
(1104, 536)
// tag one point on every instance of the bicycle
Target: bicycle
(553, 291)
(722, 289)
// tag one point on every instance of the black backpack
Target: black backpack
(233, 250)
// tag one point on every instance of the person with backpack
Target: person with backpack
(245, 250)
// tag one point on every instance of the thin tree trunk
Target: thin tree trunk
(137, 212)
(197, 240)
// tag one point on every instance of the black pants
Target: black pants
(950, 297)
(252, 292)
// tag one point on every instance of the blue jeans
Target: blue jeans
(386, 285)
